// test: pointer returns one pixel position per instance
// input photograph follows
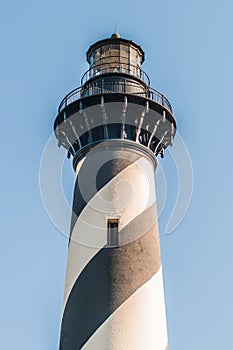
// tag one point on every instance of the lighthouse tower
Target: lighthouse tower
(114, 126)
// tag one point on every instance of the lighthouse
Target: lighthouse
(114, 126)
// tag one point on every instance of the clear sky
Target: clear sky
(189, 57)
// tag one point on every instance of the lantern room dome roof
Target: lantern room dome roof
(115, 36)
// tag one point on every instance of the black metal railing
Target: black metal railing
(114, 67)
(122, 86)
(113, 84)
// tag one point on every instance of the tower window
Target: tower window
(113, 233)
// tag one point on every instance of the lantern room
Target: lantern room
(115, 55)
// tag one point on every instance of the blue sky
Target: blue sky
(189, 57)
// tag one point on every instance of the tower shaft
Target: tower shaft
(114, 294)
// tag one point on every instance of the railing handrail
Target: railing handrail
(106, 67)
(151, 93)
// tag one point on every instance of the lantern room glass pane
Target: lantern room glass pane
(133, 56)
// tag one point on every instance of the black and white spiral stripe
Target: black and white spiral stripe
(114, 297)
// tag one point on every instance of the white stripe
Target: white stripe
(139, 323)
(90, 231)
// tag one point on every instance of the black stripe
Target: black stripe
(137, 227)
(106, 173)
(108, 280)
